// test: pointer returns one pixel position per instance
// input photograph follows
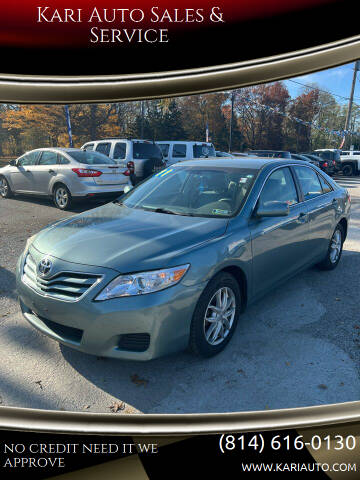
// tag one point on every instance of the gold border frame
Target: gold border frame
(27, 419)
(48, 89)
(111, 88)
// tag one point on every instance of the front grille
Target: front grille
(134, 342)
(68, 286)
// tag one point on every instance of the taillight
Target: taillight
(127, 173)
(130, 165)
(325, 164)
(86, 172)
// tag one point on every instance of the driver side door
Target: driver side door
(21, 176)
(279, 244)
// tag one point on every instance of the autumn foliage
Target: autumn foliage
(24, 127)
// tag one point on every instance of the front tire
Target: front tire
(348, 170)
(5, 190)
(62, 197)
(215, 316)
(335, 249)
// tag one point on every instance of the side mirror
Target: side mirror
(273, 209)
(13, 163)
(128, 188)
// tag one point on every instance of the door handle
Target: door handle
(303, 217)
(51, 171)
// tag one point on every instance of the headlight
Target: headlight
(142, 283)
(29, 241)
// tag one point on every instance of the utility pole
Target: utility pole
(351, 99)
(142, 119)
(231, 119)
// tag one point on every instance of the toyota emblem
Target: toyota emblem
(44, 267)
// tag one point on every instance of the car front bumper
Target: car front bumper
(135, 328)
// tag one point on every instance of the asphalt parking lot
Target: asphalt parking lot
(298, 346)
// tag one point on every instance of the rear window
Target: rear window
(203, 151)
(91, 158)
(329, 155)
(142, 150)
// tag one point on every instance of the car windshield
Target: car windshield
(91, 158)
(201, 151)
(193, 191)
(142, 150)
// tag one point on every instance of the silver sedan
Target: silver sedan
(63, 174)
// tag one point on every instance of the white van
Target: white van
(177, 151)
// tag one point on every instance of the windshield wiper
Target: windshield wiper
(164, 210)
(170, 212)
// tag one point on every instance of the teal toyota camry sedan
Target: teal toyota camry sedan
(172, 263)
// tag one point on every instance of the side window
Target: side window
(62, 160)
(164, 147)
(326, 188)
(28, 159)
(309, 182)
(179, 150)
(103, 147)
(120, 151)
(279, 187)
(90, 146)
(48, 158)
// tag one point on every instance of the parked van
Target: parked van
(177, 151)
(145, 155)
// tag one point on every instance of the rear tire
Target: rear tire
(212, 326)
(348, 170)
(5, 190)
(62, 197)
(335, 249)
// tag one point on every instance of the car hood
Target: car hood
(126, 239)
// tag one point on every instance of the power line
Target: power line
(312, 87)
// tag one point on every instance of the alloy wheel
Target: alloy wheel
(61, 197)
(219, 316)
(335, 246)
(3, 187)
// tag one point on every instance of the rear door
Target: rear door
(43, 172)
(322, 207)
(119, 154)
(279, 244)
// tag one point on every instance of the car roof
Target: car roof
(254, 162)
(60, 149)
(121, 139)
(273, 151)
(197, 142)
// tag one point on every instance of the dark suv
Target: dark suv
(327, 166)
(330, 156)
